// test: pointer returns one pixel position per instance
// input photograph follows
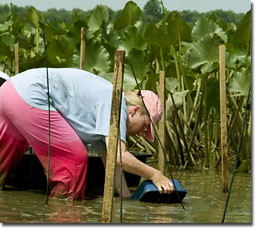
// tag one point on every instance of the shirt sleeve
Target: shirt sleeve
(102, 116)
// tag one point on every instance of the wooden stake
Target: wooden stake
(82, 49)
(113, 137)
(162, 122)
(16, 58)
(223, 118)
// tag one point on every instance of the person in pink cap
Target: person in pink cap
(80, 107)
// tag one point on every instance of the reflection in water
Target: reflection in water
(204, 203)
(63, 211)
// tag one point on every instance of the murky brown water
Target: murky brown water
(204, 203)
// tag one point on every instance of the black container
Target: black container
(30, 173)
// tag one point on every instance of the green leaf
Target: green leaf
(128, 17)
(100, 14)
(156, 36)
(242, 37)
(151, 82)
(8, 40)
(34, 62)
(171, 69)
(171, 84)
(140, 66)
(5, 26)
(213, 96)
(178, 101)
(204, 26)
(206, 50)
(33, 16)
(240, 83)
(235, 58)
(138, 60)
(132, 39)
(60, 51)
(108, 76)
(24, 42)
(96, 58)
(5, 51)
(129, 83)
(209, 67)
(177, 28)
(112, 38)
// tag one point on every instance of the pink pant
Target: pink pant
(22, 124)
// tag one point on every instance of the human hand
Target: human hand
(163, 183)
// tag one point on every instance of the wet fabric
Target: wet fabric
(81, 97)
(22, 125)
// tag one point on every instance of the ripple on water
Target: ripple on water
(204, 203)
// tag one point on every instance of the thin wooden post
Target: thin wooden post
(223, 118)
(113, 137)
(16, 58)
(82, 49)
(162, 122)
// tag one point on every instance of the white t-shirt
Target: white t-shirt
(82, 98)
(4, 75)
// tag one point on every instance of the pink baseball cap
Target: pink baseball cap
(153, 105)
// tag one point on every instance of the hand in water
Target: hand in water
(162, 183)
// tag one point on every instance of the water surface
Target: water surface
(204, 203)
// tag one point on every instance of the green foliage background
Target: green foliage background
(183, 44)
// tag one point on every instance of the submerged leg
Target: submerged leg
(68, 155)
(12, 144)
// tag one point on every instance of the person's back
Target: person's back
(80, 105)
(82, 98)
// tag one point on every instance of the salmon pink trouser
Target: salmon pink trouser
(22, 125)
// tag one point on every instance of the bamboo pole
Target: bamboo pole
(113, 137)
(205, 113)
(82, 49)
(162, 122)
(223, 118)
(16, 58)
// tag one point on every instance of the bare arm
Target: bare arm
(125, 190)
(133, 165)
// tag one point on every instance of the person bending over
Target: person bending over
(80, 110)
